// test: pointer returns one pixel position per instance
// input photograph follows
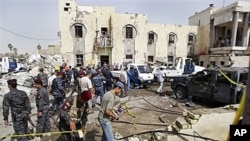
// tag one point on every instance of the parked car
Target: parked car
(141, 75)
(210, 84)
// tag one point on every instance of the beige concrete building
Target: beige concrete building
(93, 34)
(51, 50)
(228, 32)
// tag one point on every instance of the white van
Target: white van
(7, 64)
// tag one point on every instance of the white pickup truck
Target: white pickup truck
(141, 75)
(180, 67)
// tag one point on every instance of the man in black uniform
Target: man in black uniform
(18, 102)
(66, 122)
(42, 104)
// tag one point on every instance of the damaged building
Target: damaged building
(91, 35)
(228, 32)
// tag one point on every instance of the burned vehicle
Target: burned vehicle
(210, 84)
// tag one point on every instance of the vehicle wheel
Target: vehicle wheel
(181, 93)
(132, 85)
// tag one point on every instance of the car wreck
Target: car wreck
(211, 85)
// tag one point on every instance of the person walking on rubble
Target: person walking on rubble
(51, 78)
(69, 120)
(42, 104)
(123, 78)
(43, 76)
(97, 81)
(58, 91)
(87, 87)
(18, 102)
(106, 114)
(160, 80)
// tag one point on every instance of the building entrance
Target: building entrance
(104, 59)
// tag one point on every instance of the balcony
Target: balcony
(104, 42)
(229, 50)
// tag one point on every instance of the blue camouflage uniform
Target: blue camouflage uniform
(42, 104)
(18, 102)
(58, 90)
(97, 82)
(44, 77)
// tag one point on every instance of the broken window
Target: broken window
(66, 9)
(129, 56)
(150, 38)
(129, 32)
(222, 63)
(104, 31)
(78, 31)
(171, 38)
(170, 58)
(79, 60)
(150, 58)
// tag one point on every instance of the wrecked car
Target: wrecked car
(210, 84)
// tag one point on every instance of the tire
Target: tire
(181, 93)
(132, 85)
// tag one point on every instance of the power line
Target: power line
(25, 36)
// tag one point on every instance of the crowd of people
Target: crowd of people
(85, 85)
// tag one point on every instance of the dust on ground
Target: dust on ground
(147, 111)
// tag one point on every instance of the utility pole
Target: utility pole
(246, 112)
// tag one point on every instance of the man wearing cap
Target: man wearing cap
(18, 102)
(58, 91)
(66, 122)
(106, 114)
(42, 104)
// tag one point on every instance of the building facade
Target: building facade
(92, 35)
(228, 32)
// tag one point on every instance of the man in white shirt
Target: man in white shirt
(50, 80)
(160, 80)
(87, 87)
(123, 78)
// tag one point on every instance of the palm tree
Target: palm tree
(39, 47)
(10, 46)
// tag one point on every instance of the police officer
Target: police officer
(66, 123)
(43, 76)
(18, 102)
(58, 91)
(42, 104)
(109, 78)
(97, 81)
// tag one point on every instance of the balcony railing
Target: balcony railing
(104, 42)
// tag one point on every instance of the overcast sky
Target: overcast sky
(27, 23)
